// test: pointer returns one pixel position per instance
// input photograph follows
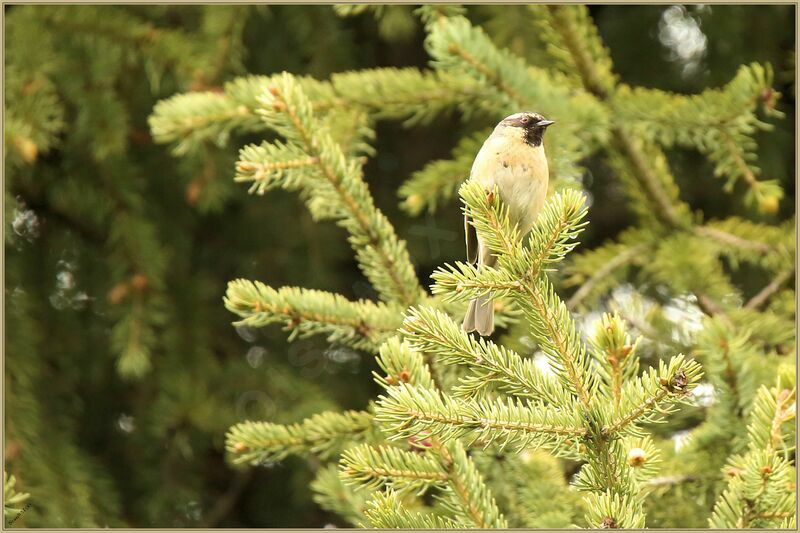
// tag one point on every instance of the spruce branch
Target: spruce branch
(615, 477)
(432, 13)
(324, 434)
(735, 239)
(647, 166)
(407, 411)
(467, 496)
(429, 330)
(758, 494)
(190, 119)
(138, 295)
(457, 46)
(554, 237)
(687, 264)
(133, 338)
(744, 241)
(33, 123)
(557, 225)
(446, 467)
(653, 395)
(770, 419)
(611, 510)
(415, 96)
(732, 239)
(440, 180)
(616, 354)
(335, 190)
(729, 359)
(596, 405)
(599, 269)
(332, 494)
(11, 498)
(645, 163)
(386, 511)
(403, 364)
(576, 43)
(362, 324)
(384, 465)
(643, 457)
(719, 122)
(761, 298)
(530, 488)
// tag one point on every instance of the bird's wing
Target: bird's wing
(482, 172)
(472, 240)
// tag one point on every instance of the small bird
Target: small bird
(513, 159)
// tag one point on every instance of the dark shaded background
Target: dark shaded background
(148, 452)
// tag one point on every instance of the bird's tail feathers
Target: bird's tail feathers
(480, 316)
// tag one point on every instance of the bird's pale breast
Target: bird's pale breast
(520, 173)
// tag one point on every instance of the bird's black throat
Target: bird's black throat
(533, 135)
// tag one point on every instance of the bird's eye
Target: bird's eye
(525, 120)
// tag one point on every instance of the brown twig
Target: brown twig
(764, 294)
(731, 239)
(584, 290)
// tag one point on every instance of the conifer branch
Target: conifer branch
(655, 180)
(771, 288)
(362, 324)
(719, 122)
(382, 256)
(471, 497)
(11, 498)
(377, 466)
(615, 353)
(406, 93)
(402, 364)
(31, 126)
(577, 40)
(647, 399)
(612, 510)
(408, 411)
(756, 495)
(439, 181)
(428, 330)
(559, 222)
(622, 255)
(323, 434)
(444, 466)
(388, 512)
(332, 494)
(190, 119)
(579, 37)
(772, 410)
(732, 239)
(725, 355)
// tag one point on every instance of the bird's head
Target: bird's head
(526, 126)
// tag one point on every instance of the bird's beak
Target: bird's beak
(545, 123)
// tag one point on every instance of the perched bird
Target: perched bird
(513, 159)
